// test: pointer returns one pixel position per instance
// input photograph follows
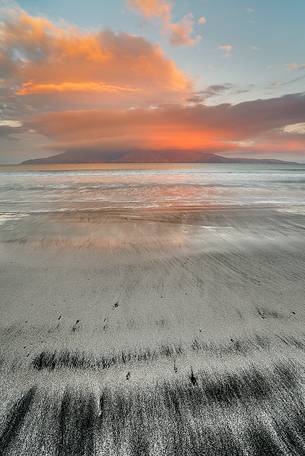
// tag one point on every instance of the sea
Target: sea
(58, 188)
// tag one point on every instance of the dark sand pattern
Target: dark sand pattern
(15, 420)
(240, 413)
(76, 424)
(177, 332)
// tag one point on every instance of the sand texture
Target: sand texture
(153, 332)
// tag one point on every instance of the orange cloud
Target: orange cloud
(152, 8)
(180, 33)
(41, 58)
(249, 126)
(30, 88)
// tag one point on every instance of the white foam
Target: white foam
(6, 217)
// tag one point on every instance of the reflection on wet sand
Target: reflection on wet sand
(165, 332)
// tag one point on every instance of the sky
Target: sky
(214, 76)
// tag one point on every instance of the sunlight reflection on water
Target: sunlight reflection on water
(28, 189)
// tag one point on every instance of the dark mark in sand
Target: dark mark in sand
(15, 419)
(77, 417)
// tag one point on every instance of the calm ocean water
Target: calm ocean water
(25, 190)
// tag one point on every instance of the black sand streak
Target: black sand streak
(292, 436)
(15, 420)
(184, 437)
(172, 402)
(76, 420)
(220, 442)
(139, 436)
(230, 388)
(120, 411)
(182, 412)
(262, 442)
(114, 414)
(80, 360)
(76, 360)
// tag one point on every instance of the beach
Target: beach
(174, 327)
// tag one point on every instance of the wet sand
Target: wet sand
(164, 332)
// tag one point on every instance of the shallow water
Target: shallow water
(30, 189)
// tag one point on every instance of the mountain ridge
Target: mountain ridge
(145, 156)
